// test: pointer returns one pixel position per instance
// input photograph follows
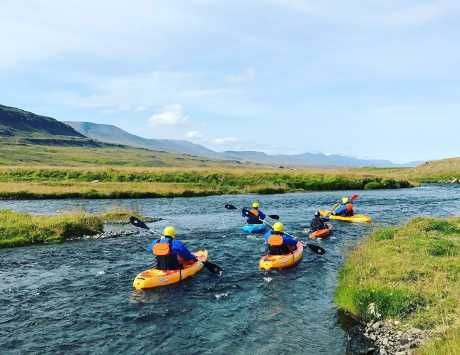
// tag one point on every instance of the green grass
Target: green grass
(22, 229)
(410, 274)
(61, 182)
(447, 344)
(23, 154)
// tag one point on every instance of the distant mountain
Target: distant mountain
(19, 123)
(113, 134)
(306, 159)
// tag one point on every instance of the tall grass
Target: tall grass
(410, 274)
(20, 229)
(131, 182)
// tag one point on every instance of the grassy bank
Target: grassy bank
(31, 182)
(21, 229)
(410, 274)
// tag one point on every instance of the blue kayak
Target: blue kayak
(254, 228)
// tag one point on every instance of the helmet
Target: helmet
(278, 227)
(345, 200)
(317, 213)
(169, 231)
(255, 204)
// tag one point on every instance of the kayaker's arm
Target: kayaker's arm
(289, 241)
(150, 246)
(262, 215)
(182, 250)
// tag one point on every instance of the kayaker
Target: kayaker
(278, 242)
(317, 223)
(344, 208)
(170, 253)
(256, 215)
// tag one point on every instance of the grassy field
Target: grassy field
(63, 182)
(35, 171)
(21, 229)
(410, 274)
(45, 155)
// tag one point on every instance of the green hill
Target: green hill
(19, 123)
(112, 134)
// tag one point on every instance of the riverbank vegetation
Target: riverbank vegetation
(21, 229)
(54, 182)
(409, 274)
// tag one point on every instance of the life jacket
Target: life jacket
(317, 224)
(253, 217)
(349, 211)
(276, 245)
(166, 260)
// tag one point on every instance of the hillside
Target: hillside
(307, 159)
(19, 123)
(444, 170)
(113, 134)
(12, 153)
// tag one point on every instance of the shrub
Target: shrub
(441, 226)
(441, 247)
(384, 302)
(387, 233)
(373, 185)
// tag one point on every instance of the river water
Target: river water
(77, 298)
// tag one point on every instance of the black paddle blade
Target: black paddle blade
(274, 216)
(316, 249)
(136, 222)
(215, 269)
(230, 207)
(247, 213)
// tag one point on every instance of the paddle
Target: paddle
(231, 207)
(215, 269)
(313, 247)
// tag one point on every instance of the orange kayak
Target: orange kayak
(321, 233)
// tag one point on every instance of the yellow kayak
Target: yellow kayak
(358, 218)
(155, 278)
(268, 262)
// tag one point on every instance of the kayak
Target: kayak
(155, 278)
(269, 262)
(254, 228)
(321, 233)
(358, 218)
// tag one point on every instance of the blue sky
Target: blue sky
(374, 79)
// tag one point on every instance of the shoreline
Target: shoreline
(25, 229)
(104, 183)
(34, 191)
(401, 286)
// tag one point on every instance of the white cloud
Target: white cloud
(224, 140)
(247, 74)
(194, 135)
(169, 115)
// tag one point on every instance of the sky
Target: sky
(370, 79)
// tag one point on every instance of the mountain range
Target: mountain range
(113, 134)
(27, 127)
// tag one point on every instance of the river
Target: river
(77, 297)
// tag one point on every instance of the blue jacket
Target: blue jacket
(287, 240)
(177, 248)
